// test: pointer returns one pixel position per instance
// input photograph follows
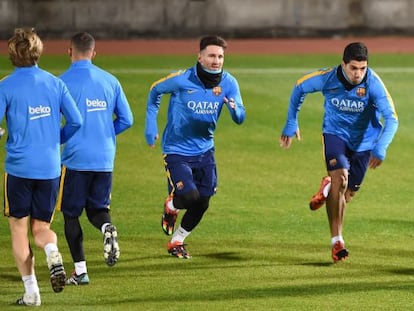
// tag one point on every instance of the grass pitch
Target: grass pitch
(259, 247)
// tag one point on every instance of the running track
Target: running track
(384, 45)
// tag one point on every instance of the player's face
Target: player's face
(212, 57)
(355, 70)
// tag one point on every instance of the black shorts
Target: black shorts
(84, 189)
(339, 156)
(30, 197)
(186, 173)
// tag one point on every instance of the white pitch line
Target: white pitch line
(274, 70)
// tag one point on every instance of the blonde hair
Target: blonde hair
(25, 47)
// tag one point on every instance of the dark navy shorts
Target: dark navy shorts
(84, 189)
(186, 173)
(30, 197)
(339, 156)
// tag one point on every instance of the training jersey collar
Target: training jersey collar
(82, 63)
(344, 80)
(209, 80)
(27, 68)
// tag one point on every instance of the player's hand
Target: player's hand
(230, 102)
(286, 141)
(151, 140)
(374, 162)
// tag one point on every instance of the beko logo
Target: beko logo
(39, 112)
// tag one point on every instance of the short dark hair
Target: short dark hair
(83, 42)
(212, 40)
(355, 51)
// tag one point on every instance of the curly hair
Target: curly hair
(25, 47)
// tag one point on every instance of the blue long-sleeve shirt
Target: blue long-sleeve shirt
(193, 111)
(106, 113)
(33, 102)
(353, 114)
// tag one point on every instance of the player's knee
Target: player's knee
(70, 221)
(344, 181)
(38, 227)
(186, 200)
(199, 207)
(97, 217)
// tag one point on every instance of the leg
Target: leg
(335, 207)
(24, 258)
(205, 178)
(45, 238)
(345, 184)
(192, 181)
(101, 219)
(97, 210)
(195, 213)
(186, 201)
(42, 234)
(74, 238)
(172, 205)
(98, 217)
(190, 220)
(44, 201)
(18, 198)
(335, 202)
(22, 252)
(337, 159)
(181, 189)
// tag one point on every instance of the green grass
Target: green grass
(258, 247)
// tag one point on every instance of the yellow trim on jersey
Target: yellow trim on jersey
(171, 75)
(390, 100)
(167, 171)
(323, 147)
(313, 74)
(60, 194)
(6, 199)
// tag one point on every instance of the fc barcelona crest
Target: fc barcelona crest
(217, 90)
(360, 91)
(179, 185)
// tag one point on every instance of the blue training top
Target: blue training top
(106, 113)
(193, 111)
(353, 114)
(32, 100)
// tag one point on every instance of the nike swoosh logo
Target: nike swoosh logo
(191, 91)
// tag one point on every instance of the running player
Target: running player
(197, 96)
(33, 101)
(353, 136)
(88, 157)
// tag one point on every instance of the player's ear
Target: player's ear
(93, 54)
(70, 52)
